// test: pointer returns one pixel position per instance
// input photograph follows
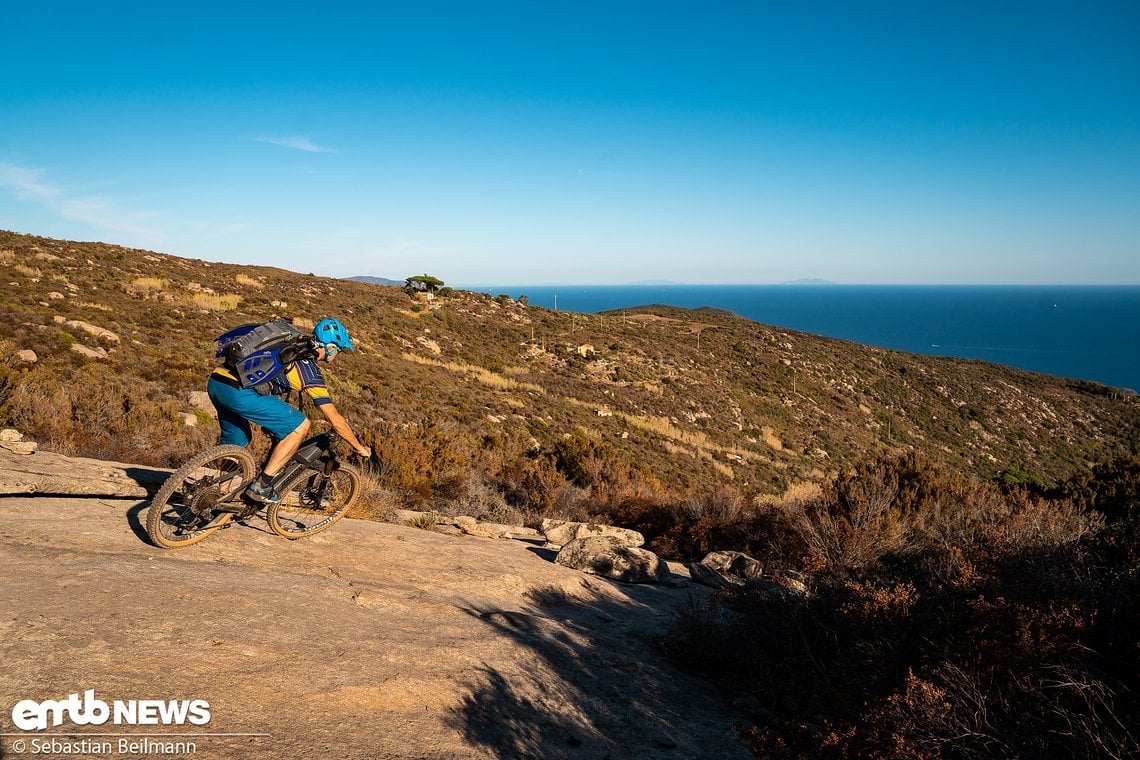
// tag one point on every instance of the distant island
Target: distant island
(808, 281)
(376, 280)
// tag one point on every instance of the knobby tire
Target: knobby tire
(299, 514)
(210, 479)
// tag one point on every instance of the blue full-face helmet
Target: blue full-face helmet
(330, 330)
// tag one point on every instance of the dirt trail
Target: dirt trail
(368, 641)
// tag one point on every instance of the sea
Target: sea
(1079, 332)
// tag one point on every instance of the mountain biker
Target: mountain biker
(287, 425)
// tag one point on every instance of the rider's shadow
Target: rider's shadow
(135, 520)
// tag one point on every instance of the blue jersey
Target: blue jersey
(303, 375)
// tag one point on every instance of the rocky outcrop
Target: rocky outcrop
(201, 400)
(90, 329)
(369, 640)
(562, 532)
(473, 527)
(608, 557)
(44, 472)
(462, 525)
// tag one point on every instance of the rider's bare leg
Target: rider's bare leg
(285, 449)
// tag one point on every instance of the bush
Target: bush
(411, 458)
(95, 413)
(950, 620)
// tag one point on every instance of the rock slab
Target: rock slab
(44, 472)
(368, 641)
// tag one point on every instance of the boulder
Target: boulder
(562, 532)
(13, 441)
(201, 400)
(726, 568)
(27, 356)
(473, 527)
(90, 353)
(608, 557)
(706, 576)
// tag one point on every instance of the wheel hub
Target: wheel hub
(203, 501)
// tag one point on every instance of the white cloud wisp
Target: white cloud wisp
(296, 143)
(27, 185)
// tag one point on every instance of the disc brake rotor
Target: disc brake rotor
(202, 501)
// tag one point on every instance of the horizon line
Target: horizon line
(793, 284)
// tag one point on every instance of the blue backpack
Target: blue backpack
(257, 353)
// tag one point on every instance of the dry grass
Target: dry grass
(723, 469)
(216, 301)
(249, 281)
(27, 271)
(375, 502)
(673, 448)
(663, 427)
(482, 375)
(7, 257)
(424, 521)
(145, 287)
(801, 492)
(582, 404)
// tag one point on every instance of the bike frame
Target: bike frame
(316, 454)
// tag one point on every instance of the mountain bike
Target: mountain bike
(206, 494)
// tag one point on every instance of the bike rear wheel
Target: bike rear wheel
(314, 502)
(185, 509)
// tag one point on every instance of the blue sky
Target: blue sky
(538, 142)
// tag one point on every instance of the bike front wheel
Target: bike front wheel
(314, 502)
(184, 510)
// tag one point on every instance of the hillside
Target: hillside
(692, 400)
(968, 531)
